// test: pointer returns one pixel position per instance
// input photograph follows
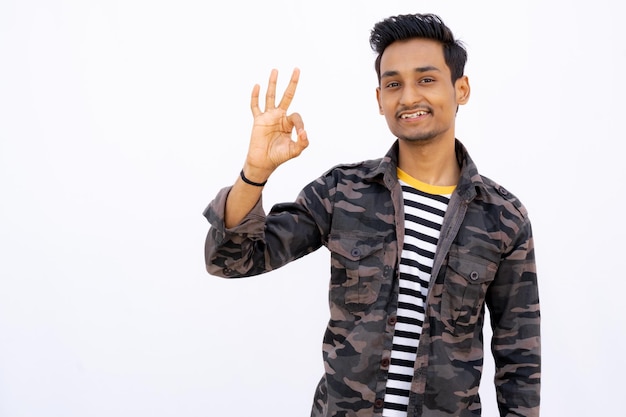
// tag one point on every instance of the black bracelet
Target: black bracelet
(247, 181)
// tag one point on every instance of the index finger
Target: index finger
(290, 91)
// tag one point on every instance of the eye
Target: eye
(427, 80)
(392, 84)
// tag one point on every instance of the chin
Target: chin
(423, 138)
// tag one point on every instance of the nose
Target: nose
(411, 95)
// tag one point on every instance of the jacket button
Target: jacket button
(503, 191)
(474, 275)
(384, 363)
(386, 270)
(356, 252)
(392, 320)
(378, 403)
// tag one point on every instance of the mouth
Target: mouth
(414, 115)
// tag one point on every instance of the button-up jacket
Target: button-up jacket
(484, 257)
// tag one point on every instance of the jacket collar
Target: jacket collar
(469, 184)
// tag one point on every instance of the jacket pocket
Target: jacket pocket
(466, 282)
(356, 265)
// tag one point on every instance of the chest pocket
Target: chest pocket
(356, 270)
(466, 282)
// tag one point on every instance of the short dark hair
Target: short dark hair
(427, 26)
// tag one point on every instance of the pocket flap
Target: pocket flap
(355, 247)
(472, 268)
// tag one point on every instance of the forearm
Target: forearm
(518, 377)
(230, 252)
(259, 242)
(516, 343)
(243, 196)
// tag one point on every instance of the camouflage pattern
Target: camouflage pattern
(485, 257)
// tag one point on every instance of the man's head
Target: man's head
(425, 26)
(420, 77)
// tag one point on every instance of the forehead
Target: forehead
(413, 53)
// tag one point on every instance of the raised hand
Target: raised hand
(271, 141)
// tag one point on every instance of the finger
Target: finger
(302, 140)
(300, 144)
(296, 121)
(270, 95)
(254, 100)
(290, 91)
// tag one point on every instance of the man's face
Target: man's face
(416, 94)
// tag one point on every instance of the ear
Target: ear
(380, 106)
(462, 89)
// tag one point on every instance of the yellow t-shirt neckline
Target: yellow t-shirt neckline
(422, 186)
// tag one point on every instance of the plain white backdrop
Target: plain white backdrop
(120, 120)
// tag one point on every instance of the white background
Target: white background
(120, 120)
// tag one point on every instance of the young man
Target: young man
(419, 242)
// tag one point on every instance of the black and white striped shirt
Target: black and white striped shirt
(424, 208)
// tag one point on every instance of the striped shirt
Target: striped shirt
(424, 208)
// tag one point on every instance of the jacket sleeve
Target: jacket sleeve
(262, 243)
(513, 301)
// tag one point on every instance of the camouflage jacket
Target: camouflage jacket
(485, 256)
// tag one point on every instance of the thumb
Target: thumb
(301, 143)
(302, 140)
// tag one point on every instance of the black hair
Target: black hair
(427, 26)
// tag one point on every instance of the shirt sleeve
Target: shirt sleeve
(262, 243)
(513, 301)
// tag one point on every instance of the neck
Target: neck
(433, 163)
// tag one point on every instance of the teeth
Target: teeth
(413, 115)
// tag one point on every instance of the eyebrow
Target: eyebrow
(393, 73)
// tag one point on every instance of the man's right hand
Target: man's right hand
(271, 142)
(270, 146)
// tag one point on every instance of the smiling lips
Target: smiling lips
(414, 115)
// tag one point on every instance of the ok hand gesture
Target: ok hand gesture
(271, 141)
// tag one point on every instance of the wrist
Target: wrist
(255, 183)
